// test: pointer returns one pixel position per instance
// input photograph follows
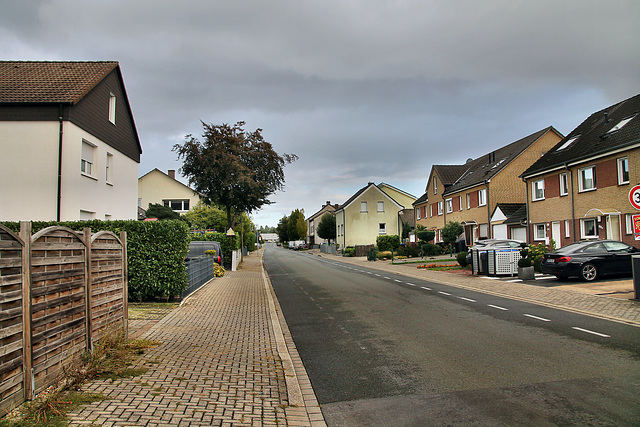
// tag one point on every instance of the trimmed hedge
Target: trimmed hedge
(155, 250)
(389, 242)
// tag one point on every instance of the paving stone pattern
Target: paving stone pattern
(217, 365)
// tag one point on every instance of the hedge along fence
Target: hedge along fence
(155, 249)
(59, 291)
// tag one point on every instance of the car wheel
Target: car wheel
(588, 272)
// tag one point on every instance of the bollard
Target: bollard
(635, 267)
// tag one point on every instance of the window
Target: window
(482, 197)
(449, 205)
(108, 168)
(363, 207)
(459, 203)
(621, 124)
(540, 232)
(564, 184)
(435, 185)
(87, 215)
(439, 208)
(623, 170)
(139, 202)
(567, 228)
(483, 231)
(629, 223)
(589, 228)
(177, 205)
(86, 164)
(380, 206)
(537, 189)
(418, 213)
(112, 108)
(468, 200)
(383, 228)
(568, 143)
(587, 177)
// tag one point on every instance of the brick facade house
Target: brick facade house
(469, 194)
(579, 189)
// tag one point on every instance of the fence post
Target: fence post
(27, 351)
(125, 284)
(88, 312)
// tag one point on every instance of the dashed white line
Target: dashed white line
(591, 332)
(376, 274)
(410, 284)
(388, 278)
(396, 280)
(467, 299)
(498, 307)
(514, 280)
(537, 318)
(444, 293)
(425, 288)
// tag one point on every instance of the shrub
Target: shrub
(349, 251)
(372, 254)
(462, 259)
(218, 270)
(429, 249)
(388, 242)
(537, 263)
(409, 250)
(525, 258)
(426, 235)
(384, 254)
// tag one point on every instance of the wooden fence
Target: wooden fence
(60, 290)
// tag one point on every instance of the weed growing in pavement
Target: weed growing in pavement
(111, 358)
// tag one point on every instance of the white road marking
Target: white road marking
(388, 278)
(514, 281)
(396, 280)
(536, 317)
(410, 284)
(425, 288)
(590, 332)
(467, 299)
(444, 293)
(498, 307)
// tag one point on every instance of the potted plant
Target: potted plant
(525, 265)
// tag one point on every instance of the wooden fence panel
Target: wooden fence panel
(58, 301)
(11, 320)
(107, 283)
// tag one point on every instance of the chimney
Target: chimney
(172, 173)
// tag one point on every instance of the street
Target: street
(382, 349)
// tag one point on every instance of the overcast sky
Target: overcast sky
(360, 90)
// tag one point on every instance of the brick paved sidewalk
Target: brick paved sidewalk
(627, 311)
(226, 358)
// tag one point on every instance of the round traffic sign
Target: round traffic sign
(634, 197)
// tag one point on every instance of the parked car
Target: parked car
(589, 259)
(492, 244)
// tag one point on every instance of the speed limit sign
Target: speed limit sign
(634, 197)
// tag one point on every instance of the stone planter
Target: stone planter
(526, 273)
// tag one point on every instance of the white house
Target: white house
(69, 148)
(162, 188)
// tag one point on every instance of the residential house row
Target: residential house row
(543, 188)
(66, 132)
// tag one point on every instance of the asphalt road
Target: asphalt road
(386, 350)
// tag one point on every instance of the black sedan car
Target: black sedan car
(590, 259)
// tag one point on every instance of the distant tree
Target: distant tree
(232, 168)
(207, 217)
(283, 229)
(450, 233)
(327, 227)
(297, 225)
(156, 210)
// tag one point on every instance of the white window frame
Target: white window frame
(380, 206)
(440, 207)
(563, 178)
(460, 201)
(112, 108)
(567, 228)
(449, 203)
(87, 159)
(482, 197)
(363, 207)
(468, 200)
(435, 185)
(536, 229)
(108, 175)
(382, 228)
(582, 181)
(418, 212)
(623, 162)
(183, 203)
(583, 228)
(537, 190)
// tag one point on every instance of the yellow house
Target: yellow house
(372, 211)
(161, 188)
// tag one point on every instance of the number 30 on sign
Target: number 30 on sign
(634, 197)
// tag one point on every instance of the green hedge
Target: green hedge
(388, 242)
(155, 250)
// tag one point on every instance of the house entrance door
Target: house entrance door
(555, 234)
(613, 227)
